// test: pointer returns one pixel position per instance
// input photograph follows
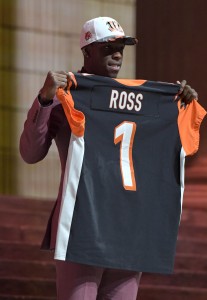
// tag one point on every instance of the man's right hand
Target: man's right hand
(53, 81)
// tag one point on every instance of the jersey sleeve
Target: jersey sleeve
(76, 118)
(189, 121)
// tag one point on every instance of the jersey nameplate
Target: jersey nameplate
(124, 100)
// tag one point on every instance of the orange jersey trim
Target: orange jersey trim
(76, 118)
(189, 121)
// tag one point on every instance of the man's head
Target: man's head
(102, 42)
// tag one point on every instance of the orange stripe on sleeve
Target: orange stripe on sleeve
(189, 121)
(76, 118)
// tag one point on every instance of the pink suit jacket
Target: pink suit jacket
(43, 124)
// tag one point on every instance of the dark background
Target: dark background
(173, 46)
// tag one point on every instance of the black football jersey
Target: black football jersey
(124, 177)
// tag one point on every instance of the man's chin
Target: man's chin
(113, 72)
(109, 72)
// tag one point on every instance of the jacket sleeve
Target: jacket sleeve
(37, 134)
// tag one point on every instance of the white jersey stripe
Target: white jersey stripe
(70, 186)
(182, 176)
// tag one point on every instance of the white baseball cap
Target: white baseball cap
(103, 29)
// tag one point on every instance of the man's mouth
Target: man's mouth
(115, 67)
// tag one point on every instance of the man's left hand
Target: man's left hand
(186, 93)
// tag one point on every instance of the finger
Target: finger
(189, 90)
(182, 86)
(62, 84)
(194, 94)
(61, 78)
(71, 79)
(189, 95)
(183, 83)
(61, 73)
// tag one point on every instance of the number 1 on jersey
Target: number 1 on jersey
(124, 133)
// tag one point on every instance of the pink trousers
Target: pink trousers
(83, 282)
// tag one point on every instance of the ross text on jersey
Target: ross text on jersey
(125, 100)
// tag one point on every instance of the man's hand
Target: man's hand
(186, 93)
(53, 81)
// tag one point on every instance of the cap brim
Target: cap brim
(128, 40)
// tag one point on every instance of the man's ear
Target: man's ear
(85, 52)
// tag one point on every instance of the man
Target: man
(102, 43)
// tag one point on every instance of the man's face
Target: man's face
(105, 59)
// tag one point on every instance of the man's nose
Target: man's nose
(117, 54)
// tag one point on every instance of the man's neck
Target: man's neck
(83, 70)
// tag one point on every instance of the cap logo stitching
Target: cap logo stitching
(114, 26)
(88, 35)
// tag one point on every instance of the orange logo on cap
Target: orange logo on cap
(88, 35)
(114, 26)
